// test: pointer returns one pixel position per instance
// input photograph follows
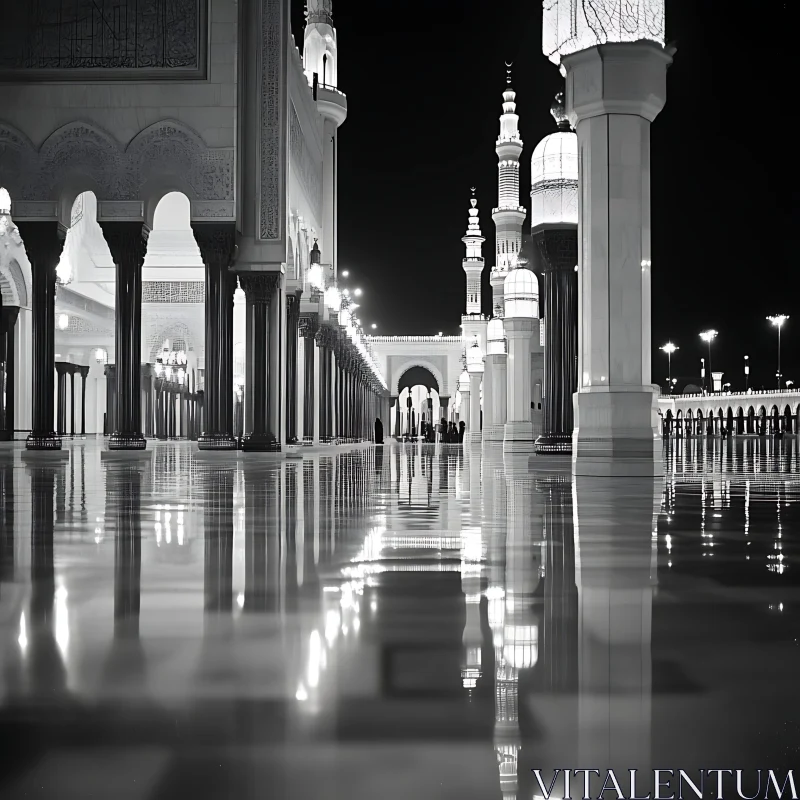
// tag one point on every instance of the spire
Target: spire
(473, 236)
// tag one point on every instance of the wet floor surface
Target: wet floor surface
(401, 622)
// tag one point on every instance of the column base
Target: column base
(216, 441)
(260, 443)
(126, 441)
(518, 437)
(616, 436)
(47, 440)
(6, 436)
(557, 443)
(493, 434)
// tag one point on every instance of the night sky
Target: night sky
(423, 81)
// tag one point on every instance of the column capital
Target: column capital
(326, 337)
(84, 371)
(558, 248)
(126, 242)
(43, 241)
(62, 368)
(259, 286)
(217, 243)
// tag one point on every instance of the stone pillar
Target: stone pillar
(518, 433)
(72, 400)
(495, 392)
(308, 332)
(43, 244)
(84, 372)
(292, 320)
(216, 243)
(218, 537)
(274, 362)
(61, 391)
(559, 251)
(464, 412)
(474, 425)
(614, 92)
(127, 246)
(8, 321)
(259, 288)
(394, 403)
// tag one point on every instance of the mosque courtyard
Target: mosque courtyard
(401, 621)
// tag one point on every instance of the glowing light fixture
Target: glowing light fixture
(474, 358)
(345, 273)
(708, 337)
(357, 292)
(63, 322)
(316, 277)
(374, 325)
(778, 320)
(669, 348)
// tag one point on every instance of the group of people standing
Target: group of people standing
(443, 432)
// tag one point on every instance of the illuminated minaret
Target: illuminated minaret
(320, 62)
(473, 324)
(509, 215)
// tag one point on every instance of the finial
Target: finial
(508, 72)
(473, 190)
(559, 112)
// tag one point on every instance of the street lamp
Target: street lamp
(708, 337)
(374, 325)
(747, 373)
(345, 273)
(669, 349)
(778, 320)
(357, 292)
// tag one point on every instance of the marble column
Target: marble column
(61, 404)
(495, 392)
(275, 321)
(259, 288)
(444, 408)
(218, 532)
(474, 427)
(614, 92)
(84, 372)
(394, 404)
(308, 330)
(8, 321)
(292, 320)
(559, 250)
(518, 434)
(464, 411)
(43, 244)
(126, 243)
(216, 243)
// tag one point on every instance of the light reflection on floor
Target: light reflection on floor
(398, 622)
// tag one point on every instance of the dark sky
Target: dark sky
(423, 82)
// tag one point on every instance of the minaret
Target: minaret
(509, 216)
(473, 324)
(320, 62)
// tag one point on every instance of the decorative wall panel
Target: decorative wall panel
(111, 39)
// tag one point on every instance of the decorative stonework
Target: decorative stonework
(221, 209)
(259, 286)
(307, 169)
(216, 243)
(165, 149)
(80, 325)
(123, 210)
(307, 327)
(55, 39)
(270, 226)
(173, 291)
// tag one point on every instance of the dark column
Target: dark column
(61, 407)
(72, 370)
(8, 322)
(394, 403)
(216, 243)
(126, 243)
(84, 372)
(43, 243)
(308, 330)
(324, 387)
(292, 321)
(110, 371)
(218, 525)
(559, 251)
(259, 288)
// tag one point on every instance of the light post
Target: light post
(778, 320)
(747, 373)
(703, 373)
(708, 337)
(669, 349)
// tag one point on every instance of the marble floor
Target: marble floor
(397, 622)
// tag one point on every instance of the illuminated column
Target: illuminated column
(292, 318)
(615, 89)
(509, 216)
(494, 384)
(308, 330)
(521, 328)
(475, 371)
(465, 408)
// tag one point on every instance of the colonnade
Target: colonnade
(66, 370)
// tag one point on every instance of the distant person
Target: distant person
(443, 430)
(462, 427)
(378, 431)
(452, 433)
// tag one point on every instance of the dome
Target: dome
(463, 382)
(521, 292)
(475, 358)
(555, 158)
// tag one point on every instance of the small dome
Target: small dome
(495, 331)
(555, 158)
(475, 358)
(521, 284)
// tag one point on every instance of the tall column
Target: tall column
(495, 392)
(559, 250)
(216, 243)
(72, 400)
(292, 320)
(474, 427)
(394, 405)
(127, 246)
(259, 288)
(61, 404)
(464, 411)
(84, 371)
(614, 92)
(444, 410)
(274, 362)
(308, 332)
(8, 322)
(43, 243)
(518, 435)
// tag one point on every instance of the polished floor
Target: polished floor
(405, 622)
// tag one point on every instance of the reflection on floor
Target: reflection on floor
(400, 622)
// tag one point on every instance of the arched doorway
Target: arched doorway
(418, 404)
(787, 420)
(740, 422)
(751, 420)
